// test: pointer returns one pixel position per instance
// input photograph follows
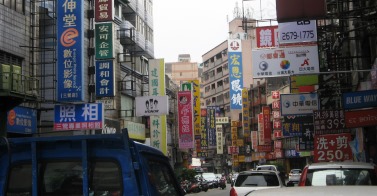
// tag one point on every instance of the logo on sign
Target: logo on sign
(304, 22)
(234, 45)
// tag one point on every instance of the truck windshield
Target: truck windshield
(65, 178)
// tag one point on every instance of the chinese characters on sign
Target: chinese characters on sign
(298, 104)
(104, 40)
(185, 120)
(157, 88)
(219, 139)
(211, 126)
(78, 116)
(70, 53)
(235, 75)
(332, 147)
(267, 36)
(103, 10)
(105, 78)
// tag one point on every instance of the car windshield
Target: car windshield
(295, 171)
(260, 180)
(266, 168)
(209, 176)
(341, 177)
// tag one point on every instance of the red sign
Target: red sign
(275, 95)
(276, 105)
(278, 134)
(333, 147)
(185, 120)
(278, 144)
(103, 11)
(267, 124)
(276, 114)
(233, 150)
(264, 148)
(267, 36)
(361, 118)
(277, 123)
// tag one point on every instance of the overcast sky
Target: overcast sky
(196, 26)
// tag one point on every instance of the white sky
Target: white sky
(196, 26)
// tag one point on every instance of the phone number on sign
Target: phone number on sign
(297, 35)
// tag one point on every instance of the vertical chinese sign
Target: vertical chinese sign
(203, 145)
(235, 75)
(211, 126)
(104, 40)
(70, 52)
(185, 120)
(157, 87)
(104, 10)
(105, 79)
(245, 112)
(194, 87)
(266, 110)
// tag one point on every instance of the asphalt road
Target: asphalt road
(213, 192)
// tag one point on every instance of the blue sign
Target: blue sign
(360, 99)
(22, 120)
(236, 79)
(87, 116)
(70, 53)
(105, 79)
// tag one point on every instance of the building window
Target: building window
(16, 5)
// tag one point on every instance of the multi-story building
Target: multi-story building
(183, 70)
(31, 60)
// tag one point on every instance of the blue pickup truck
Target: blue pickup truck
(89, 165)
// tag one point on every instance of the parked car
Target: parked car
(294, 175)
(234, 177)
(253, 180)
(267, 167)
(339, 173)
(280, 172)
(211, 179)
(316, 190)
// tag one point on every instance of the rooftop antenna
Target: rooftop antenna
(236, 12)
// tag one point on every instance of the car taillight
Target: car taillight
(303, 177)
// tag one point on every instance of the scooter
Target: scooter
(222, 183)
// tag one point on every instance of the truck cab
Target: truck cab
(89, 165)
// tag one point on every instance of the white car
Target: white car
(248, 181)
(294, 175)
(339, 173)
(316, 190)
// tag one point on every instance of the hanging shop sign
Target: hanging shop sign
(298, 104)
(267, 36)
(70, 51)
(105, 79)
(87, 116)
(235, 73)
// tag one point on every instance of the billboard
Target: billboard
(285, 61)
(332, 147)
(360, 99)
(70, 51)
(298, 104)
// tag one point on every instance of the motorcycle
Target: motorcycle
(222, 183)
(204, 185)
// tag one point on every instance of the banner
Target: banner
(185, 120)
(219, 139)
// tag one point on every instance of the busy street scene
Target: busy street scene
(199, 97)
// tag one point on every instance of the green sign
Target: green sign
(104, 40)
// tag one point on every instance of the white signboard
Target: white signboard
(285, 61)
(152, 105)
(297, 32)
(298, 104)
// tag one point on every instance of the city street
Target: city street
(214, 192)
